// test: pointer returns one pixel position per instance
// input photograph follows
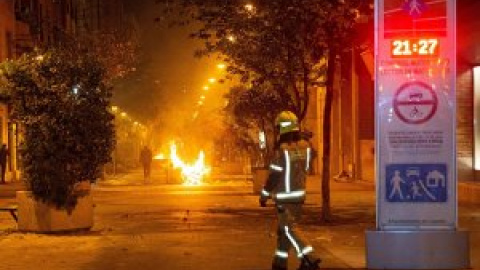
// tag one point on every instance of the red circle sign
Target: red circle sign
(415, 102)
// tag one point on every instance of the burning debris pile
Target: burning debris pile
(192, 174)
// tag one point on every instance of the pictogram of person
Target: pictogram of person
(396, 183)
(415, 7)
(416, 191)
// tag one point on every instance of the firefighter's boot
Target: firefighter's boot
(278, 267)
(309, 264)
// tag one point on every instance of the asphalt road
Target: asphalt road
(215, 226)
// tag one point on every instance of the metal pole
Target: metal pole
(356, 170)
(342, 172)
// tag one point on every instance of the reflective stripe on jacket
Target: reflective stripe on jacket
(288, 172)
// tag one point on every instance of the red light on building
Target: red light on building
(425, 22)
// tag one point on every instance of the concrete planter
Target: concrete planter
(35, 216)
(260, 176)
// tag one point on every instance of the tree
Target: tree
(115, 51)
(253, 110)
(338, 34)
(270, 42)
(62, 104)
(292, 44)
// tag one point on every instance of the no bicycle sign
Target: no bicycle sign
(415, 102)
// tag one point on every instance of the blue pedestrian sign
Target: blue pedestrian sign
(418, 183)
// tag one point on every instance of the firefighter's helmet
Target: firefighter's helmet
(287, 121)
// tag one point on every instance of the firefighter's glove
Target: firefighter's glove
(263, 202)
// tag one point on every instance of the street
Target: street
(215, 226)
(379, 100)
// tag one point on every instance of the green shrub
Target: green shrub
(61, 103)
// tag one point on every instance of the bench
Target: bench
(12, 208)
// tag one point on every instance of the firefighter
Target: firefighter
(286, 186)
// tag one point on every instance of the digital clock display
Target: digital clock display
(408, 48)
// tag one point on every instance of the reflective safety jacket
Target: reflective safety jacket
(288, 172)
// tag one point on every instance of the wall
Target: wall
(465, 124)
(468, 47)
(7, 34)
(313, 122)
(366, 119)
(7, 29)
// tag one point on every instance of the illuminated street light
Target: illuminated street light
(202, 97)
(200, 102)
(231, 38)
(221, 66)
(114, 109)
(123, 114)
(206, 88)
(212, 80)
(262, 140)
(249, 7)
(250, 10)
(75, 89)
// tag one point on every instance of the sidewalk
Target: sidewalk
(7, 191)
(217, 226)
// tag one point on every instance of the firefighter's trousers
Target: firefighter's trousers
(288, 235)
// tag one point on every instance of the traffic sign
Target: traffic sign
(415, 8)
(415, 62)
(418, 183)
(415, 102)
(415, 114)
(403, 18)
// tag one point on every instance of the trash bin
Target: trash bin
(260, 175)
(174, 176)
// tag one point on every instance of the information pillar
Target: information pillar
(415, 62)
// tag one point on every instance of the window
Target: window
(476, 116)
(9, 40)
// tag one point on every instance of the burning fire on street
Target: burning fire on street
(192, 174)
(159, 157)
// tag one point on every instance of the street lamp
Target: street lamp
(221, 66)
(212, 80)
(249, 7)
(76, 89)
(250, 10)
(206, 88)
(231, 38)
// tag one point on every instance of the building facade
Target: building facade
(468, 90)
(26, 24)
(7, 51)
(353, 117)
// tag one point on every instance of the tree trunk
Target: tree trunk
(306, 92)
(326, 213)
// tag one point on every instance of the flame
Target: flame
(191, 174)
(159, 156)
